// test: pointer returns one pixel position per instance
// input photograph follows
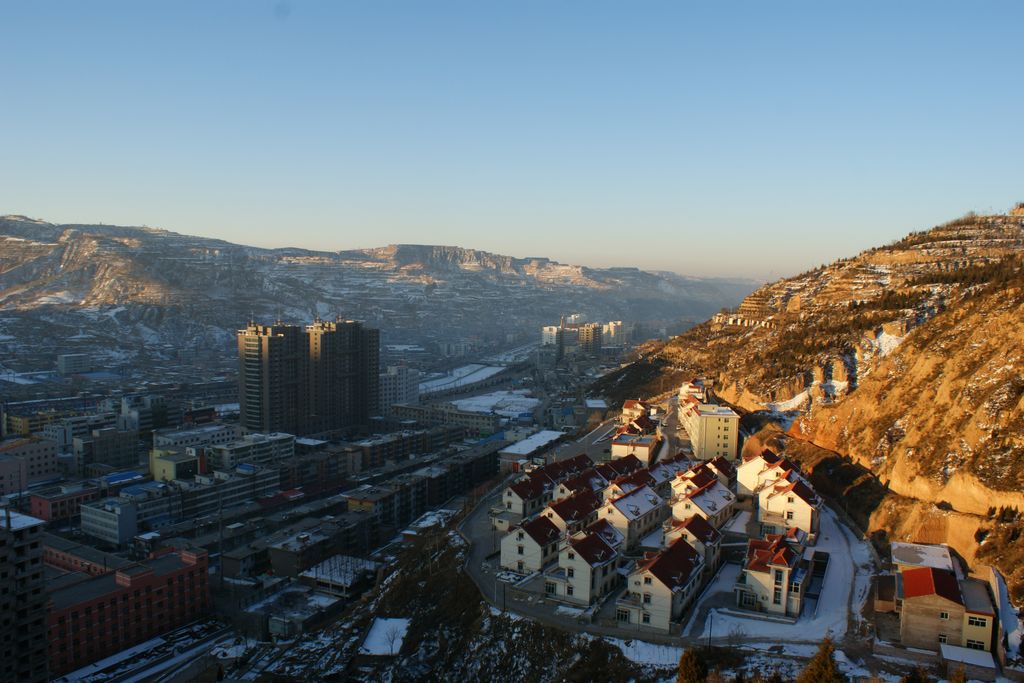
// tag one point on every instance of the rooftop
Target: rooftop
(920, 555)
(9, 519)
(533, 443)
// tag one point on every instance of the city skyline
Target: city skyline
(802, 133)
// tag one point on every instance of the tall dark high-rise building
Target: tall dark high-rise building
(23, 599)
(311, 380)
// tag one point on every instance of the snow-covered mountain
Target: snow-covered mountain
(131, 286)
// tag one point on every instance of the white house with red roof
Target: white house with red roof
(699, 492)
(587, 570)
(526, 497)
(531, 546)
(756, 471)
(774, 578)
(632, 409)
(789, 503)
(660, 586)
(635, 514)
(587, 480)
(574, 513)
(620, 486)
(698, 533)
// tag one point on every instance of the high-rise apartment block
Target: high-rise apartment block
(315, 379)
(22, 599)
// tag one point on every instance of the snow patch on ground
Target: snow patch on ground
(796, 403)
(886, 343)
(385, 637)
(641, 652)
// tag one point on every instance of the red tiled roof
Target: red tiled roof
(800, 489)
(923, 581)
(724, 466)
(576, 507)
(700, 529)
(635, 480)
(619, 466)
(673, 566)
(542, 530)
(772, 551)
(701, 475)
(768, 455)
(633, 403)
(592, 548)
(606, 531)
(528, 489)
(585, 481)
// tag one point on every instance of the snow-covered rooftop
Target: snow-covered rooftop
(533, 443)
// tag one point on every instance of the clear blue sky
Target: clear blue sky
(751, 138)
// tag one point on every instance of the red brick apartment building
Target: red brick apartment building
(93, 617)
(61, 502)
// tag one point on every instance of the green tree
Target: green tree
(822, 667)
(692, 668)
(918, 675)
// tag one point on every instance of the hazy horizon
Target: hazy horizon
(740, 140)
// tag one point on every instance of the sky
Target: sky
(751, 139)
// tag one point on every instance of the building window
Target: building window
(549, 588)
(570, 572)
(975, 645)
(519, 550)
(789, 499)
(647, 581)
(572, 555)
(943, 615)
(646, 618)
(568, 590)
(778, 577)
(789, 514)
(519, 566)
(942, 637)
(647, 598)
(777, 597)
(977, 621)
(622, 615)
(794, 587)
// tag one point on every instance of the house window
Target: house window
(570, 572)
(778, 577)
(549, 588)
(508, 506)
(568, 590)
(789, 514)
(519, 549)
(942, 637)
(519, 536)
(943, 615)
(777, 597)
(647, 598)
(646, 618)
(789, 499)
(572, 555)
(519, 566)
(794, 587)
(975, 645)
(622, 615)
(647, 581)
(977, 621)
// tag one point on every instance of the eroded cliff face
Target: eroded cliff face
(942, 418)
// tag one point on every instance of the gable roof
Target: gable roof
(723, 466)
(576, 507)
(608, 533)
(674, 567)
(542, 530)
(587, 480)
(630, 403)
(529, 488)
(699, 476)
(922, 581)
(592, 548)
(794, 484)
(633, 481)
(636, 503)
(772, 551)
(619, 466)
(700, 529)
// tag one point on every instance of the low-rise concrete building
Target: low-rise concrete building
(586, 571)
(531, 546)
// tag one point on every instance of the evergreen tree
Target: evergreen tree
(692, 668)
(822, 667)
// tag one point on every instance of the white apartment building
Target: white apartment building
(713, 429)
(399, 385)
(586, 571)
(634, 514)
(213, 434)
(549, 335)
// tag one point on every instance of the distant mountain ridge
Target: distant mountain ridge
(140, 285)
